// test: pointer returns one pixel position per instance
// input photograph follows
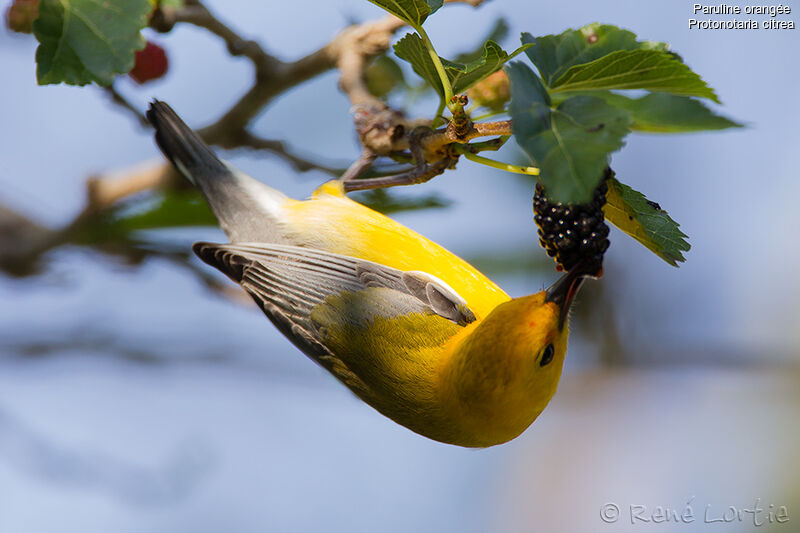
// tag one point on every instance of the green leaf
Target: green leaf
(653, 70)
(553, 55)
(462, 76)
(667, 113)
(645, 221)
(85, 41)
(414, 12)
(167, 209)
(383, 76)
(571, 143)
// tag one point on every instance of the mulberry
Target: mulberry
(574, 232)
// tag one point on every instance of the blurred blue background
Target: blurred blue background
(132, 398)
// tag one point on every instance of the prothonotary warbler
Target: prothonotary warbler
(410, 328)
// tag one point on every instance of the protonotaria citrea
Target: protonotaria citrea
(413, 330)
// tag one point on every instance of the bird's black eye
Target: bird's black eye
(547, 355)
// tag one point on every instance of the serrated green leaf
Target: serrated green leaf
(571, 143)
(411, 48)
(667, 113)
(461, 76)
(645, 221)
(414, 12)
(653, 70)
(434, 5)
(85, 41)
(553, 55)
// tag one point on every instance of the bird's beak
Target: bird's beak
(563, 291)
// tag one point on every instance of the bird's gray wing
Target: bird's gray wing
(289, 282)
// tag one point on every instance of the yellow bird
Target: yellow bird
(413, 330)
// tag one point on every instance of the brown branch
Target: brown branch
(353, 48)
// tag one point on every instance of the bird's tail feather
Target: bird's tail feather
(247, 209)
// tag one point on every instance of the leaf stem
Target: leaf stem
(528, 171)
(484, 146)
(439, 118)
(437, 62)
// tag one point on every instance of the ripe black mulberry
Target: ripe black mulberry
(574, 232)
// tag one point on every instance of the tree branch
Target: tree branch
(434, 144)
(415, 176)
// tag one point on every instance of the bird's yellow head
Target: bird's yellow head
(507, 366)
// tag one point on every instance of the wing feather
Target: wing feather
(303, 278)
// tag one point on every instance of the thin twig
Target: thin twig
(434, 143)
(199, 15)
(359, 166)
(121, 101)
(246, 139)
(413, 177)
(492, 145)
